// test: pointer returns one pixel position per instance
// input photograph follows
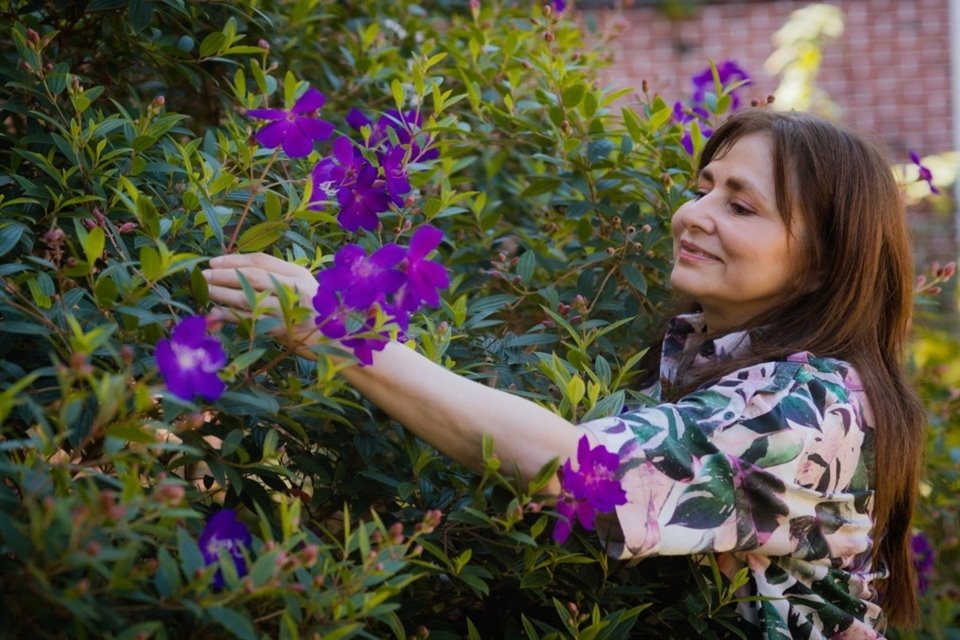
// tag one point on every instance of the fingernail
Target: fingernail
(206, 274)
(215, 261)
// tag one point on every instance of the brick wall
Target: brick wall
(889, 72)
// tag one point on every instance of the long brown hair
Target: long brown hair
(853, 302)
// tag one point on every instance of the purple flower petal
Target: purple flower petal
(314, 128)
(273, 135)
(424, 240)
(295, 145)
(189, 361)
(267, 114)
(343, 150)
(357, 120)
(309, 102)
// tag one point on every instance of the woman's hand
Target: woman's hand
(260, 271)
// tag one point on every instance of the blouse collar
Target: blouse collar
(682, 336)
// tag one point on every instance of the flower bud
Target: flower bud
(631, 230)
(646, 228)
(771, 98)
(32, 36)
(396, 532)
(534, 507)
(79, 364)
(89, 224)
(949, 270)
(128, 227)
(650, 254)
(547, 10)
(644, 85)
(548, 36)
(54, 237)
(611, 251)
(418, 550)
(263, 44)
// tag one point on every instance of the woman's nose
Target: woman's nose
(698, 214)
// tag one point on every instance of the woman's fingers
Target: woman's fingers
(259, 261)
(259, 279)
(237, 299)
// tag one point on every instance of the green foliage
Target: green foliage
(127, 162)
(936, 358)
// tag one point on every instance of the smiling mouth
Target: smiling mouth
(692, 250)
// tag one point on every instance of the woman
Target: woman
(787, 440)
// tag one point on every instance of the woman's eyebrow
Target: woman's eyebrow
(736, 184)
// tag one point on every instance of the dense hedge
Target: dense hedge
(129, 160)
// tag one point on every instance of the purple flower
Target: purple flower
(224, 532)
(559, 5)
(404, 126)
(364, 280)
(593, 488)
(923, 560)
(189, 361)
(331, 316)
(925, 175)
(395, 172)
(362, 202)
(425, 278)
(354, 181)
(729, 73)
(295, 129)
(363, 347)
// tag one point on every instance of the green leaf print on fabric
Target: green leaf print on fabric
(709, 502)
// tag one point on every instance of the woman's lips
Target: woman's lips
(690, 251)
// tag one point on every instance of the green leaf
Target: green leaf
(141, 14)
(212, 44)
(93, 244)
(106, 5)
(659, 118)
(575, 390)
(10, 234)
(237, 623)
(150, 263)
(398, 93)
(633, 123)
(573, 94)
(198, 286)
(272, 206)
(260, 236)
(526, 265)
(148, 216)
(190, 557)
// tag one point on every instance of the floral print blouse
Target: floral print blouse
(770, 468)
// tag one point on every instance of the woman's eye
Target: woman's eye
(699, 194)
(739, 209)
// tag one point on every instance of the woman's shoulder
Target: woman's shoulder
(798, 370)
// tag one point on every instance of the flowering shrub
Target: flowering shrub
(456, 180)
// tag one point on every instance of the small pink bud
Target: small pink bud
(33, 36)
(949, 270)
(128, 227)
(89, 224)
(263, 44)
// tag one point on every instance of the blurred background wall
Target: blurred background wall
(885, 66)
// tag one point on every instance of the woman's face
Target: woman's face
(732, 250)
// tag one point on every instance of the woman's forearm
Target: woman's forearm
(452, 413)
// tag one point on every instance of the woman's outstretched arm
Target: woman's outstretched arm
(447, 410)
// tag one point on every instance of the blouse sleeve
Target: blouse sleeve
(769, 459)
